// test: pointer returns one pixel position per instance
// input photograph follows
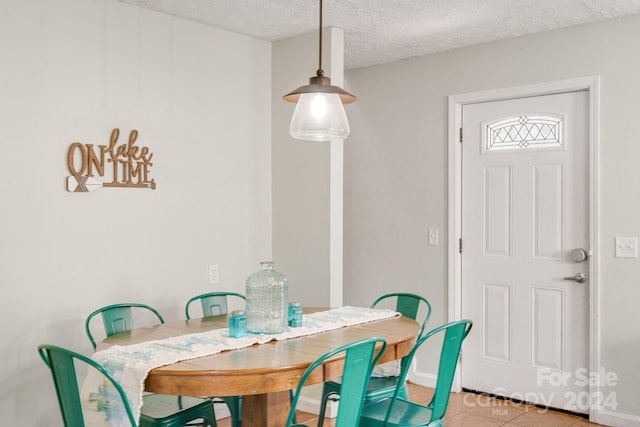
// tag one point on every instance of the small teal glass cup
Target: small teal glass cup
(295, 315)
(238, 324)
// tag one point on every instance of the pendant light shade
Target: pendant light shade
(319, 114)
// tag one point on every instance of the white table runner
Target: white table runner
(131, 364)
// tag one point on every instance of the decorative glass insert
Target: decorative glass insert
(524, 132)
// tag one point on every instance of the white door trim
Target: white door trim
(591, 84)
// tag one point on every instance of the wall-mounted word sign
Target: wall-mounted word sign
(128, 163)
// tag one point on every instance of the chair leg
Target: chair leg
(211, 423)
(235, 407)
(290, 401)
(323, 405)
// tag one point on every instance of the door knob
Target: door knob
(579, 277)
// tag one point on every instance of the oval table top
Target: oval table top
(264, 368)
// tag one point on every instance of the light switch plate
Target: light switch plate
(433, 236)
(626, 247)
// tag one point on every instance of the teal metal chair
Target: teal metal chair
(212, 303)
(118, 318)
(215, 304)
(399, 411)
(381, 387)
(157, 410)
(360, 358)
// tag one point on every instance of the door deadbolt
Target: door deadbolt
(579, 255)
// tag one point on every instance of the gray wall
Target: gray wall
(396, 171)
(300, 171)
(307, 244)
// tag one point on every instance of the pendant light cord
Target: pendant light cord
(320, 71)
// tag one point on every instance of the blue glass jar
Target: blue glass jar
(238, 324)
(295, 315)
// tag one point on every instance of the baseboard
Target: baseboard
(616, 419)
(311, 405)
(425, 380)
(222, 410)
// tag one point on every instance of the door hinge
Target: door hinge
(460, 245)
(460, 135)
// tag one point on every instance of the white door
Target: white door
(525, 213)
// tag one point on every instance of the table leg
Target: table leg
(265, 410)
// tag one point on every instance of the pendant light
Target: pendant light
(319, 114)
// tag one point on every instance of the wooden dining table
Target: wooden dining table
(262, 374)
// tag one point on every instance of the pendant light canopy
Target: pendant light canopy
(319, 114)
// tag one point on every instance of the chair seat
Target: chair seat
(169, 411)
(405, 413)
(378, 388)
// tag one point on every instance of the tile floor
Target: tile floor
(471, 410)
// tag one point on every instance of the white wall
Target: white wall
(201, 100)
(396, 173)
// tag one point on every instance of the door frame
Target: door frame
(456, 102)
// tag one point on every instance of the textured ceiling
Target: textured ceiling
(379, 31)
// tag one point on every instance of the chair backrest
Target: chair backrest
(360, 358)
(117, 318)
(409, 305)
(213, 303)
(63, 370)
(454, 334)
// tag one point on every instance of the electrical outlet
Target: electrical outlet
(626, 247)
(213, 274)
